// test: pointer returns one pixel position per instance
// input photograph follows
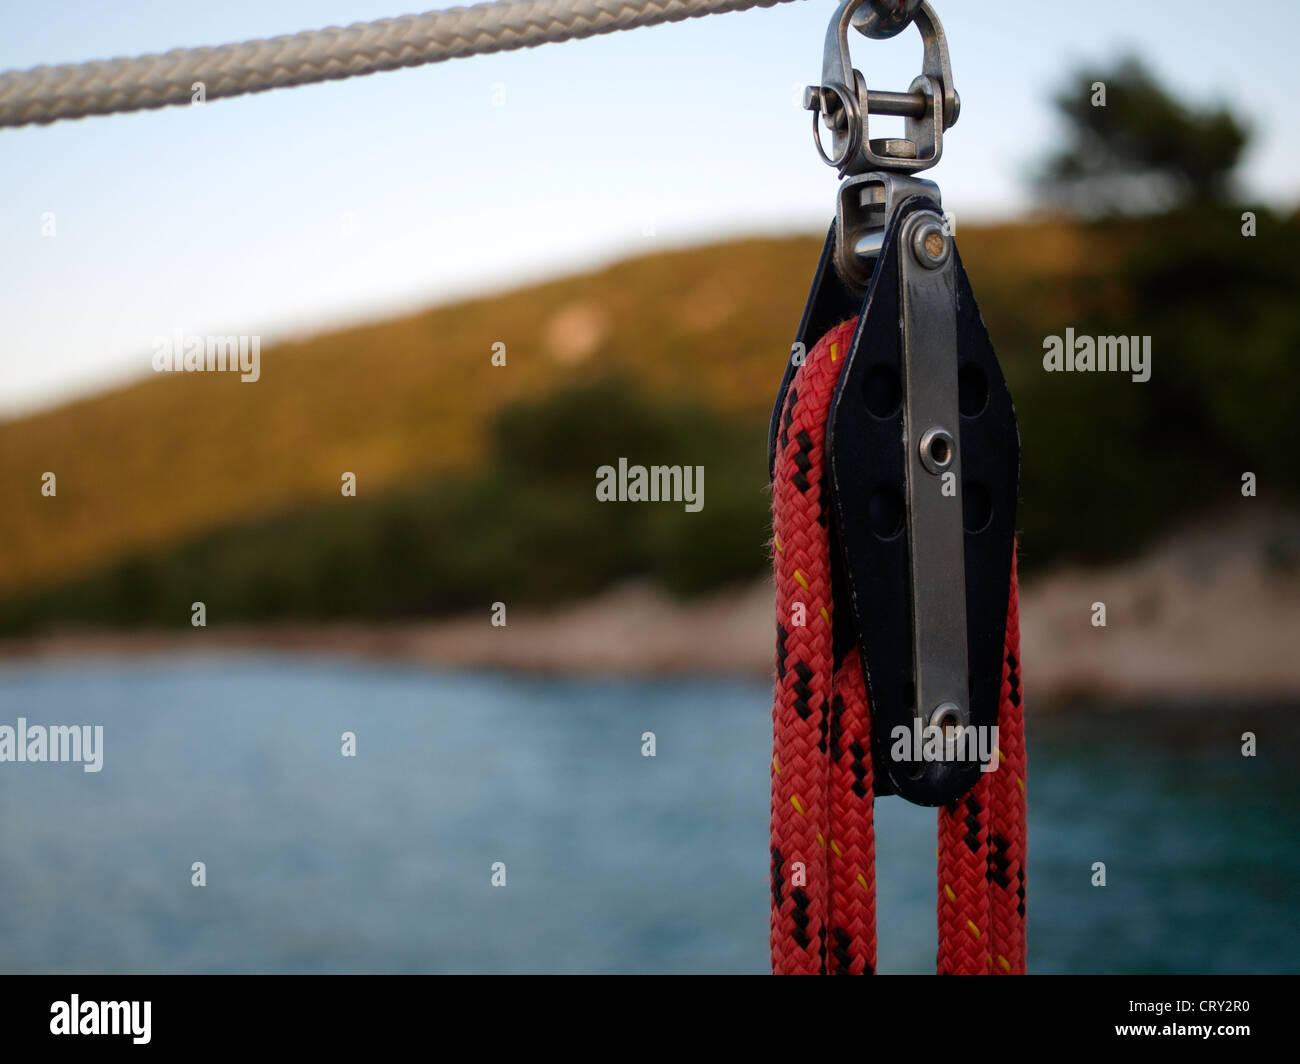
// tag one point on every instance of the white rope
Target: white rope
(72, 90)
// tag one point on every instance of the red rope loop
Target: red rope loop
(823, 840)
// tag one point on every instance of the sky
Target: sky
(292, 212)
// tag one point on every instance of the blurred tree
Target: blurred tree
(1132, 148)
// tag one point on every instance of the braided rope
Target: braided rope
(852, 936)
(801, 772)
(982, 843)
(1006, 869)
(963, 888)
(74, 90)
(823, 842)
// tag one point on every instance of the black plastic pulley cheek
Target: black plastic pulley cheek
(925, 507)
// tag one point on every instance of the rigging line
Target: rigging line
(46, 94)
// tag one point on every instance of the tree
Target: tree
(1132, 148)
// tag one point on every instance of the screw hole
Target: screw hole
(947, 718)
(937, 449)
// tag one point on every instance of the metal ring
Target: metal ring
(849, 104)
(937, 449)
(921, 228)
(946, 713)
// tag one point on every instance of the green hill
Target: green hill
(476, 482)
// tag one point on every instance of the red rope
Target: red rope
(823, 841)
(1006, 871)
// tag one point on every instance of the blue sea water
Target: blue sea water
(614, 862)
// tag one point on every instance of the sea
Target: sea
(269, 814)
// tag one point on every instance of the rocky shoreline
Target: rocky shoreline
(1213, 613)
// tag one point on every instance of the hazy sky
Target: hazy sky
(302, 208)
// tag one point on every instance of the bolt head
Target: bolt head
(894, 147)
(931, 244)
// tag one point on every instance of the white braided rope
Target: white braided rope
(72, 90)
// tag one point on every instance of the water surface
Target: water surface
(614, 862)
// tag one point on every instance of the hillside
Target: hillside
(186, 480)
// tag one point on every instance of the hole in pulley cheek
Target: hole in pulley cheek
(885, 512)
(976, 507)
(972, 390)
(883, 392)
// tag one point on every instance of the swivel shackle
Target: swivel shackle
(844, 103)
